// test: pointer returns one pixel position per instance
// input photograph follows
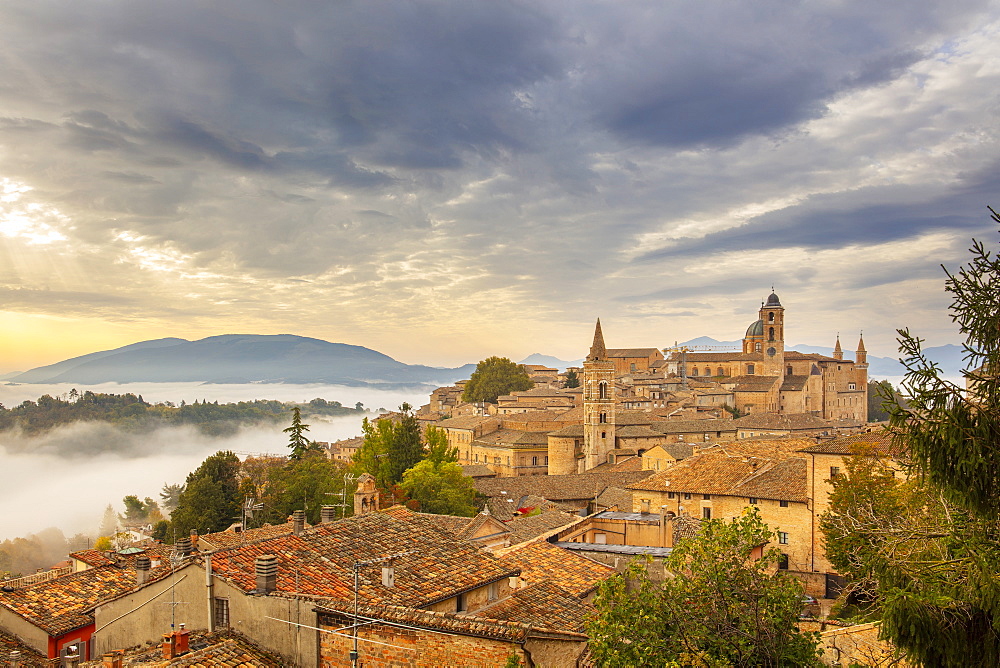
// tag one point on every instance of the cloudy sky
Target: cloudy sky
(442, 181)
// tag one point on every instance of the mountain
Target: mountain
(550, 361)
(242, 358)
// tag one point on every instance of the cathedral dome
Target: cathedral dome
(772, 300)
(756, 329)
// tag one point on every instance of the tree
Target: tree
(438, 450)
(297, 441)
(307, 483)
(109, 523)
(210, 500)
(572, 378)
(390, 447)
(493, 377)
(441, 488)
(169, 495)
(938, 583)
(715, 607)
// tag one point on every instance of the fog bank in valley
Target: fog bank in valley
(66, 477)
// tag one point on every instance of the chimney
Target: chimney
(142, 565)
(666, 528)
(182, 640)
(113, 659)
(327, 514)
(298, 522)
(266, 568)
(72, 657)
(194, 539)
(15, 658)
(183, 547)
(169, 646)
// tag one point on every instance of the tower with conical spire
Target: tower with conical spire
(598, 405)
(838, 352)
(861, 355)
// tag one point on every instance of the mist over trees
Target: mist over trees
(132, 413)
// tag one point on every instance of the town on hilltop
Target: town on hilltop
(588, 469)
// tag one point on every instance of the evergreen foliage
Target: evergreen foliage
(572, 378)
(297, 441)
(494, 377)
(210, 500)
(391, 446)
(716, 607)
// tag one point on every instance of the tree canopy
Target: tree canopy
(210, 500)
(494, 377)
(297, 441)
(438, 483)
(715, 606)
(391, 446)
(927, 551)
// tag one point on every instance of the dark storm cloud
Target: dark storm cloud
(869, 217)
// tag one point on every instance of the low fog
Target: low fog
(66, 477)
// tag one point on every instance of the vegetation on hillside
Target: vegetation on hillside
(495, 377)
(133, 413)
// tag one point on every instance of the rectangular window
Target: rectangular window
(834, 471)
(706, 497)
(460, 603)
(494, 591)
(221, 612)
(783, 537)
(783, 504)
(852, 386)
(706, 513)
(687, 496)
(670, 495)
(753, 500)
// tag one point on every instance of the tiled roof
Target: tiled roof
(319, 561)
(222, 539)
(466, 624)
(527, 527)
(816, 357)
(615, 496)
(633, 352)
(92, 557)
(574, 486)
(794, 383)
(539, 392)
(753, 383)
(512, 438)
(467, 421)
(676, 450)
(230, 653)
(542, 604)
(742, 468)
(636, 431)
(541, 561)
(478, 471)
(29, 657)
(694, 426)
(717, 357)
(502, 509)
(878, 441)
(570, 431)
(783, 421)
(60, 605)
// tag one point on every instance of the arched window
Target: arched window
(708, 372)
(750, 369)
(694, 371)
(770, 317)
(759, 347)
(602, 390)
(603, 418)
(770, 334)
(788, 371)
(783, 562)
(721, 372)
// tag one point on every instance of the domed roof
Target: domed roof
(772, 300)
(756, 329)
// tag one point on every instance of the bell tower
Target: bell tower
(598, 404)
(772, 320)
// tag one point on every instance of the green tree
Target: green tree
(170, 495)
(939, 585)
(109, 523)
(493, 377)
(307, 483)
(297, 440)
(391, 446)
(438, 450)
(210, 500)
(441, 488)
(572, 378)
(716, 607)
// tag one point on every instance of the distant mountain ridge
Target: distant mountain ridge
(242, 358)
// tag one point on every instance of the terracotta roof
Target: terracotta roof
(466, 624)
(676, 450)
(716, 357)
(571, 431)
(574, 486)
(616, 496)
(542, 604)
(222, 539)
(783, 421)
(467, 421)
(539, 392)
(694, 426)
(503, 510)
(526, 527)
(478, 471)
(741, 468)
(319, 561)
(92, 557)
(30, 658)
(65, 603)
(878, 441)
(633, 352)
(793, 383)
(816, 357)
(513, 438)
(636, 431)
(229, 653)
(753, 383)
(541, 561)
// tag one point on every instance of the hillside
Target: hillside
(241, 358)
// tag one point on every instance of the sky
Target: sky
(443, 181)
